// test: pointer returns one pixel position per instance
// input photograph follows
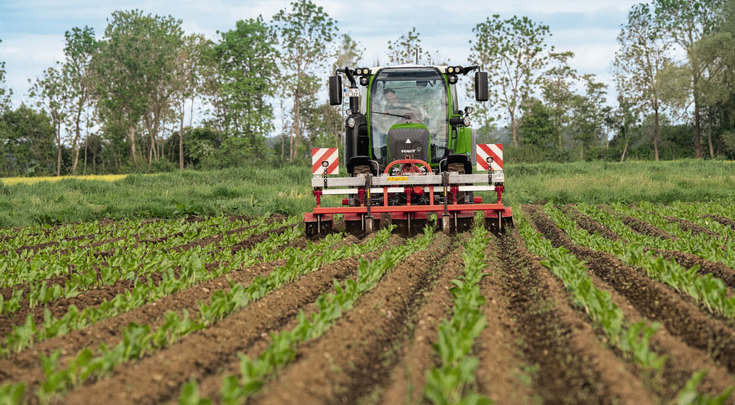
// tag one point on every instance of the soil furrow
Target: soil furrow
(723, 220)
(688, 260)
(642, 227)
(210, 386)
(500, 374)
(691, 226)
(157, 377)
(573, 365)
(408, 378)
(589, 224)
(651, 298)
(350, 358)
(719, 270)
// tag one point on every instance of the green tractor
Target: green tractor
(409, 153)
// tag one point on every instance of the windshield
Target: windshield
(416, 93)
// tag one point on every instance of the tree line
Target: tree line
(119, 101)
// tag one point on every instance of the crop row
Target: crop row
(330, 307)
(705, 246)
(448, 382)
(701, 245)
(692, 214)
(633, 340)
(28, 267)
(124, 264)
(191, 271)
(141, 339)
(68, 235)
(706, 289)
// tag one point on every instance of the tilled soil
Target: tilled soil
(350, 358)
(723, 220)
(690, 226)
(642, 227)
(408, 377)
(573, 365)
(539, 346)
(502, 374)
(157, 378)
(652, 299)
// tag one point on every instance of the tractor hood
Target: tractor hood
(408, 139)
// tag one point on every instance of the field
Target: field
(581, 303)
(196, 287)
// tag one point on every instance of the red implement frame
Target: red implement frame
(491, 210)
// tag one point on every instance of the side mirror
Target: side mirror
(335, 90)
(481, 90)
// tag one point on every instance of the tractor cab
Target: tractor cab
(406, 110)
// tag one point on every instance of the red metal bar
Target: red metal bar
(361, 193)
(412, 208)
(318, 195)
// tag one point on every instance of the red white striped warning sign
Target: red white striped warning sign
(321, 155)
(490, 150)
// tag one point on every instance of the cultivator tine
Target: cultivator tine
(369, 224)
(445, 224)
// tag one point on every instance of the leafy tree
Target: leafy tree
(79, 48)
(513, 51)
(638, 62)
(537, 124)
(50, 91)
(407, 49)
(248, 71)
(685, 23)
(134, 73)
(716, 50)
(556, 86)
(164, 44)
(5, 94)
(349, 53)
(588, 113)
(305, 33)
(188, 82)
(26, 142)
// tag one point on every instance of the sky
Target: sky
(32, 31)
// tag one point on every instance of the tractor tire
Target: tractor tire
(360, 169)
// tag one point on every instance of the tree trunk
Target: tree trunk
(86, 141)
(697, 133)
(655, 133)
(514, 129)
(283, 146)
(131, 135)
(709, 133)
(181, 139)
(58, 149)
(625, 147)
(77, 136)
(290, 149)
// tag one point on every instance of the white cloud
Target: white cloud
(26, 57)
